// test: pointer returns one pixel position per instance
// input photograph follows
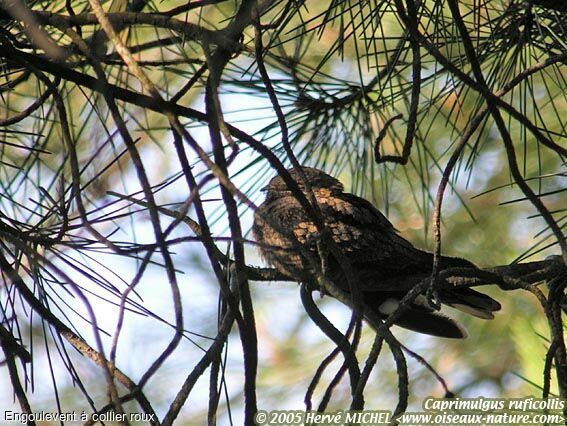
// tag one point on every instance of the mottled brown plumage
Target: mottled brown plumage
(386, 265)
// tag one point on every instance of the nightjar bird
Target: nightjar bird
(386, 265)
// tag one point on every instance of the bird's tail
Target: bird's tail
(465, 299)
(432, 323)
(471, 302)
(423, 319)
(419, 316)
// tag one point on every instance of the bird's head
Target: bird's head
(317, 180)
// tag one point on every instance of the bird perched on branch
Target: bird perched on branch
(384, 265)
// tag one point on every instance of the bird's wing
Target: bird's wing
(371, 244)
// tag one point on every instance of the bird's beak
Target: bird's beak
(264, 189)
